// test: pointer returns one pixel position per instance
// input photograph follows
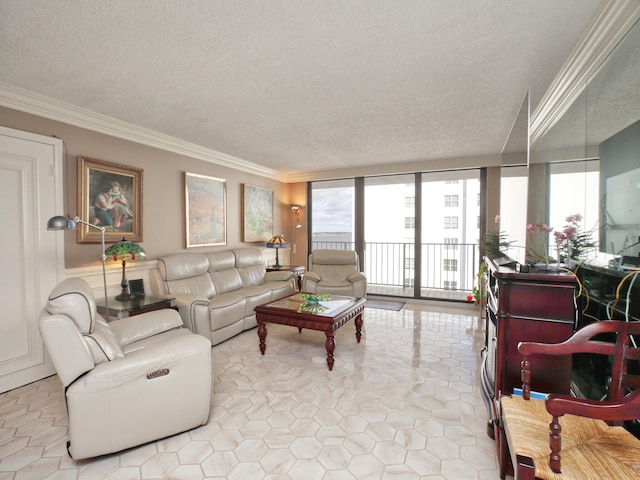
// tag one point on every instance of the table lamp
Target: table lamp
(122, 251)
(277, 242)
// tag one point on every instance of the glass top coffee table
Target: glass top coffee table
(327, 317)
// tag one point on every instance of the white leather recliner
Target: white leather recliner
(335, 272)
(126, 382)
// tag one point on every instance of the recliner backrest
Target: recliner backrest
(333, 264)
(77, 337)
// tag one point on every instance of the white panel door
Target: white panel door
(32, 257)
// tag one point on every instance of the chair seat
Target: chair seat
(591, 449)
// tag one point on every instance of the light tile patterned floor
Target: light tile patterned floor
(403, 404)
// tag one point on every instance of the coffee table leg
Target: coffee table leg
(358, 323)
(331, 346)
(262, 334)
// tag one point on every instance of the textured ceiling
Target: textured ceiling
(298, 85)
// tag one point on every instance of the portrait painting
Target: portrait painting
(109, 196)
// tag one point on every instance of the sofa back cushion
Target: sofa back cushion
(223, 272)
(250, 264)
(186, 273)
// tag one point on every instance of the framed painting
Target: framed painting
(110, 196)
(257, 214)
(205, 210)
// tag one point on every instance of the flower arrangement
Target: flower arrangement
(570, 241)
(573, 243)
(545, 230)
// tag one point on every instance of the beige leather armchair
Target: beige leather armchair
(335, 272)
(126, 382)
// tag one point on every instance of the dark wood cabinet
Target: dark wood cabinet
(536, 306)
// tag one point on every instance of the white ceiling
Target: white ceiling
(298, 85)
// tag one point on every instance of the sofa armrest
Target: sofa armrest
(278, 275)
(312, 276)
(145, 325)
(154, 357)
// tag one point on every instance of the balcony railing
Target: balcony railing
(448, 270)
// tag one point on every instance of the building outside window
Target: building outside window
(451, 200)
(409, 222)
(450, 285)
(450, 265)
(451, 222)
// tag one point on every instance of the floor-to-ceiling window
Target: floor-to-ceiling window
(332, 220)
(389, 233)
(450, 233)
(417, 233)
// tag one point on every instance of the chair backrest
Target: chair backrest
(610, 338)
(334, 264)
(76, 336)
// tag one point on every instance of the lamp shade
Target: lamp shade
(125, 250)
(278, 242)
(60, 223)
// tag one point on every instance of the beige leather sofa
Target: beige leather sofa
(336, 272)
(217, 292)
(126, 382)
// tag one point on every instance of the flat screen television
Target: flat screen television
(620, 187)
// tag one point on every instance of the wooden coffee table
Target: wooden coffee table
(290, 311)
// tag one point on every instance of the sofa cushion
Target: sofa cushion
(226, 309)
(186, 273)
(250, 264)
(225, 276)
(256, 296)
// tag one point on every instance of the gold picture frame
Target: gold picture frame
(205, 210)
(109, 195)
(257, 214)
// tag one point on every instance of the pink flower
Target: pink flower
(531, 228)
(497, 219)
(545, 228)
(559, 236)
(575, 218)
(570, 232)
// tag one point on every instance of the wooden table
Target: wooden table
(298, 271)
(134, 306)
(290, 311)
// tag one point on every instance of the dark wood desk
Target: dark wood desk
(290, 311)
(297, 271)
(135, 306)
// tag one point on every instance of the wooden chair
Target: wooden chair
(595, 445)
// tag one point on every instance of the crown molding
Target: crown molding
(443, 164)
(33, 103)
(603, 34)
